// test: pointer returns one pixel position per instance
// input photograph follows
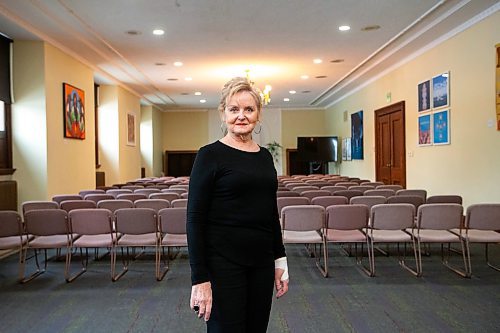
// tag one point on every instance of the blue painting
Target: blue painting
(424, 96)
(440, 90)
(424, 130)
(441, 126)
(357, 135)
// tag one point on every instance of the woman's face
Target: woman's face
(241, 114)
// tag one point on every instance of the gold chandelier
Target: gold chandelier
(264, 94)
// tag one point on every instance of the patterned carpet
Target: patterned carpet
(347, 301)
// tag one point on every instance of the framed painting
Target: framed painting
(131, 129)
(441, 127)
(357, 135)
(346, 149)
(441, 90)
(424, 96)
(424, 130)
(74, 112)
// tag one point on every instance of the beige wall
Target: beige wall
(185, 130)
(157, 142)
(109, 152)
(469, 165)
(151, 139)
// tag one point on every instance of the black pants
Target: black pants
(242, 296)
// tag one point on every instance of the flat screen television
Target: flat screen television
(317, 148)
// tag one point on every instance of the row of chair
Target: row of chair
(393, 223)
(93, 228)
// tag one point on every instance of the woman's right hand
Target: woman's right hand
(201, 295)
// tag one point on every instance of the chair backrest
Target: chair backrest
(415, 200)
(174, 190)
(165, 196)
(329, 200)
(282, 194)
(98, 197)
(91, 221)
(333, 188)
(10, 223)
(315, 193)
(132, 196)
(291, 201)
(303, 218)
(439, 216)
(361, 188)
(348, 193)
(33, 205)
(419, 192)
(179, 203)
(374, 184)
(132, 187)
(114, 204)
(83, 193)
(368, 200)
(484, 216)
(291, 184)
(116, 192)
(380, 192)
(347, 217)
(392, 216)
(316, 182)
(303, 188)
(69, 205)
(62, 197)
(347, 184)
(156, 204)
(46, 222)
(147, 191)
(445, 198)
(173, 220)
(393, 187)
(135, 221)
(181, 186)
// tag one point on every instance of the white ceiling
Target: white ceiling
(218, 39)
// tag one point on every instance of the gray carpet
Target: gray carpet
(347, 301)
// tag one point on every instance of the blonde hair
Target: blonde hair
(236, 85)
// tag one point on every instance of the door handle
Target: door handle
(388, 165)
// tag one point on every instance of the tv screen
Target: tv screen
(317, 148)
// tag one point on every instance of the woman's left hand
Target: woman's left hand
(281, 286)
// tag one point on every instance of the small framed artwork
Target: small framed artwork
(131, 132)
(441, 90)
(424, 96)
(346, 149)
(441, 127)
(424, 130)
(74, 112)
(357, 135)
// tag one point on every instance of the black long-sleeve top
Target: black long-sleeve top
(232, 209)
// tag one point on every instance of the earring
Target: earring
(260, 128)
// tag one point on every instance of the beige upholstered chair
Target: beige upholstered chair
(172, 224)
(329, 200)
(179, 203)
(62, 197)
(445, 198)
(314, 193)
(419, 192)
(114, 204)
(156, 204)
(69, 205)
(380, 192)
(12, 235)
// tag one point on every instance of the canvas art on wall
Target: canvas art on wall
(424, 130)
(130, 129)
(357, 135)
(424, 96)
(74, 112)
(441, 127)
(440, 90)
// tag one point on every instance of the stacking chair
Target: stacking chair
(314, 193)
(132, 187)
(374, 184)
(117, 192)
(174, 190)
(137, 227)
(333, 188)
(147, 191)
(34, 205)
(304, 224)
(83, 193)
(291, 201)
(414, 200)
(62, 197)
(172, 225)
(156, 204)
(329, 200)
(303, 188)
(445, 198)
(435, 224)
(482, 223)
(348, 193)
(368, 200)
(292, 184)
(389, 223)
(49, 228)
(95, 229)
(380, 192)
(347, 184)
(98, 197)
(69, 205)
(12, 235)
(179, 203)
(185, 195)
(348, 224)
(419, 192)
(393, 187)
(361, 188)
(181, 186)
(131, 196)
(165, 196)
(114, 204)
(315, 182)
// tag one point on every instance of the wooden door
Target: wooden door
(390, 145)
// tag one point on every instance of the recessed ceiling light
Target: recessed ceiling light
(306, 91)
(159, 63)
(344, 28)
(178, 64)
(172, 79)
(371, 27)
(336, 61)
(292, 92)
(133, 32)
(304, 77)
(188, 78)
(184, 93)
(286, 99)
(158, 32)
(198, 93)
(321, 77)
(317, 61)
(203, 101)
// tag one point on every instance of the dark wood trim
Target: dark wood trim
(288, 151)
(96, 125)
(4, 172)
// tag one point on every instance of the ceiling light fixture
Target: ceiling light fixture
(158, 32)
(198, 93)
(286, 99)
(317, 61)
(178, 64)
(203, 101)
(264, 94)
(188, 78)
(304, 77)
(292, 92)
(344, 28)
